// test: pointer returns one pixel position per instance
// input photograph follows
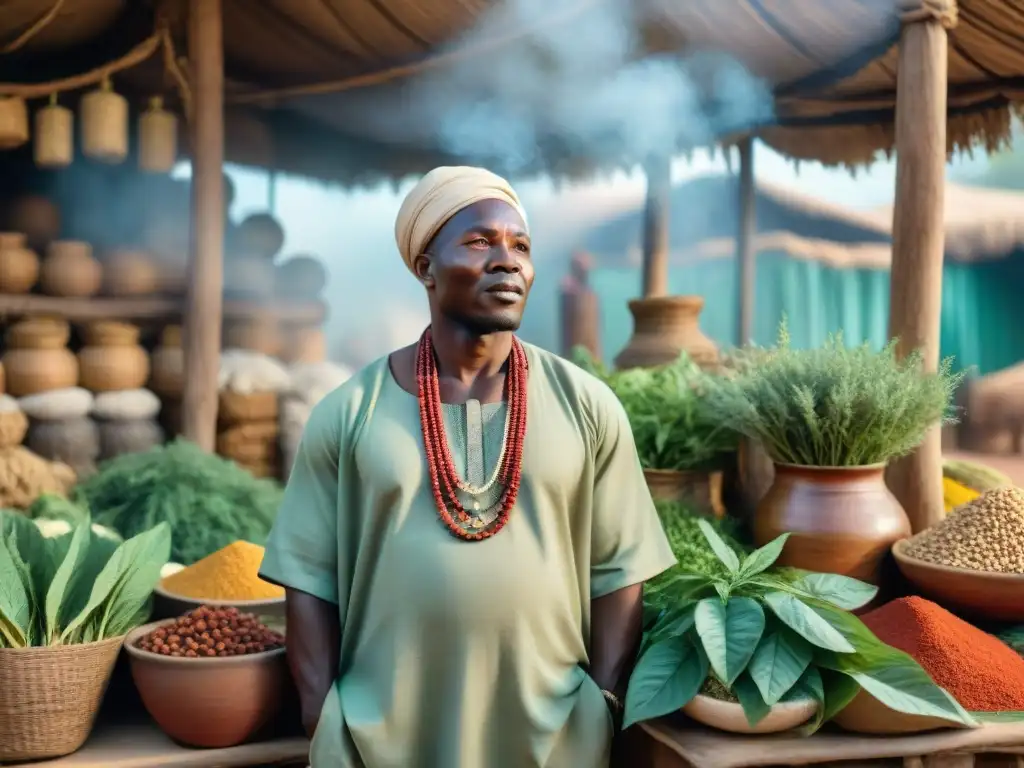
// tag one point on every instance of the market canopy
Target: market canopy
(356, 90)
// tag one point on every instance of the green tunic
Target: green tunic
(463, 654)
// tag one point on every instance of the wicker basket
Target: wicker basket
(49, 697)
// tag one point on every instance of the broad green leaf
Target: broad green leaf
(803, 620)
(32, 547)
(15, 605)
(729, 633)
(778, 663)
(754, 707)
(66, 573)
(841, 591)
(839, 689)
(722, 588)
(722, 550)
(677, 621)
(667, 676)
(651, 615)
(764, 558)
(97, 553)
(34, 628)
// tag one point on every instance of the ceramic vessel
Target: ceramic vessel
(209, 702)
(37, 216)
(257, 334)
(167, 375)
(19, 265)
(112, 358)
(260, 235)
(249, 277)
(703, 489)
(70, 270)
(37, 359)
(729, 716)
(130, 273)
(303, 344)
(662, 328)
(301, 277)
(843, 519)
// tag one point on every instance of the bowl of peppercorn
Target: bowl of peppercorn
(212, 678)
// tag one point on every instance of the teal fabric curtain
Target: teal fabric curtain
(982, 308)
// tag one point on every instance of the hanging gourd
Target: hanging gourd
(158, 138)
(13, 122)
(105, 125)
(55, 138)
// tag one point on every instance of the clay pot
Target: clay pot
(249, 277)
(303, 344)
(167, 375)
(19, 265)
(112, 358)
(701, 489)
(242, 408)
(37, 217)
(131, 273)
(662, 328)
(301, 277)
(260, 236)
(69, 269)
(843, 519)
(258, 334)
(37, 359)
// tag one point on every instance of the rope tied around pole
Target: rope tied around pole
(917, 11)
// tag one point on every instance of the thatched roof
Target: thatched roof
(356, 90)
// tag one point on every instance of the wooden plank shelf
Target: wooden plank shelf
(77, 310)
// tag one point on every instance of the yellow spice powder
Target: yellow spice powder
(228, 574)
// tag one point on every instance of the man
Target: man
(466, 529)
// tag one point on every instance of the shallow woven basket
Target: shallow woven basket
(49, 697)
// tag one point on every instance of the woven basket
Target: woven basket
(49, 697)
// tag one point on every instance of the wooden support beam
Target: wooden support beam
(915, 293)
(657, 213)
(202, 326)
(746, 256)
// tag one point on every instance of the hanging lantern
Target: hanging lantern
(158, 138)
(13, 122)
(55, 138)
(105, 125)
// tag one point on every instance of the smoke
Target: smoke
(568, 95)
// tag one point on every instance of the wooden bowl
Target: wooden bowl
(167, 605)
(211, 703)
(729, 716)
(979, 594)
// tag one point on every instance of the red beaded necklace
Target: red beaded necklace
(443, 476)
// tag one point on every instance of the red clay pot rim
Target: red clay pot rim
(859, 468)
(156, 658)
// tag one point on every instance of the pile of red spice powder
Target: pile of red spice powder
(980, 671)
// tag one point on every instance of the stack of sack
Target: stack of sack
(127, 422)
(308, 384)
(249, 389)
(60, 428)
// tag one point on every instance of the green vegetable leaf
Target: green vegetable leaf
(729, 633)
(667, 676)
(777, 664)
(722, 588)
(803, 620)
(764, 558)
(677, 621)
(722, 550)
(754, 707)
(840, 690)
(841, 591)
(15, 601)
(66, 574)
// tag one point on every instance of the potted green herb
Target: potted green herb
(831, 418)
(680, 444)
(769, 639)
(66, 603)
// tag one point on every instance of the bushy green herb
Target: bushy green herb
(74, 588)
(769, 639)
(208, 501)
(671, 424)
(834, 406)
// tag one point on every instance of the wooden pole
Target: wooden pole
(915, 292)
(746, 258)
(657, 211)
(202, 326)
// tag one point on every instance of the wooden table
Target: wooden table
(680, 743)
(142, 745)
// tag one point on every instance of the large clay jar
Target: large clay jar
(663, 327)
(112, 358)
(249, 277)
(842, 519)
(301, 277)
(303, 344)
(131, 273)
(167, 376)
(37, 358)
(260, 235)
(700, 489)
(69, 269)
(260, 333)
(19, 265)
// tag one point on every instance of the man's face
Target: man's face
(478, 269)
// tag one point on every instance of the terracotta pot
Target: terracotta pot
(703, 489)
(36, 216)
(249, 277)
(167, 374)
(110, 333)
(245, 407)
(301, 277)
(257, 334)
(131, 273)
(19, 265)
(69, 269)
(37, 359)
(303, 344)
(662, 328)
(260, 235)
(38, 333)
(112, 368)
(843, 519)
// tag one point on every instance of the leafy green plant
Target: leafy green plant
(79, 587)
(671, 424)
(767, 638)
(834, 406)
